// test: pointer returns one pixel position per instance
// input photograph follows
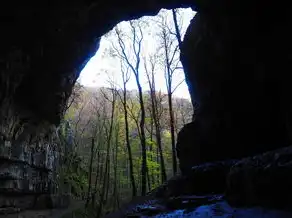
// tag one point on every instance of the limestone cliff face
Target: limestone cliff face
(27, 171)
(237, 63)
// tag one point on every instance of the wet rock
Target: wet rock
(191, 201)
(263, 180)
(196, 207)
(146, 210)
(204, 179)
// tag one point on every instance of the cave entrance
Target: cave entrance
(129, 104)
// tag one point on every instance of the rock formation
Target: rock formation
(237, 65)
(26, 174)
(257, 186)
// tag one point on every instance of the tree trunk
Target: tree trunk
(136, 31)
(96, 180)
(158, 160)
(172, 132)
(134, 189)
(115, 160)
(155, 116)
(169, 95)
(108, 183)
(143, 141)
(151, 152)
(102, 195)
(90, 173)
(158, 139)
(177, 32)
(104, 192)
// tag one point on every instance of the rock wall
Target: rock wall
(26, 173)
(237, 63)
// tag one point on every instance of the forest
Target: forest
(117, 142)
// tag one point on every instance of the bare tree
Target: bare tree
(96, 139)
(100, 141)
(177, 28)
(171, 63)
(133, 62)
(108, 133)
(90, 173)
(81, 122)
(75, 96)
(150, 73)
(116, 202)
(126, 76)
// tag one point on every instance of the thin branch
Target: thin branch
(177, 86)
(173, 54)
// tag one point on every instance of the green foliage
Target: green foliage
(73, 175)
(92, 121)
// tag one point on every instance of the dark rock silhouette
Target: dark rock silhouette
(236, 63)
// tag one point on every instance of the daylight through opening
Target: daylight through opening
(127, 107)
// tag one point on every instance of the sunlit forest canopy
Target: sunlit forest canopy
(122, 121)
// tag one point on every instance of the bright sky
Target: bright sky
(94, 73)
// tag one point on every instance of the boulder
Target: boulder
(263, 180)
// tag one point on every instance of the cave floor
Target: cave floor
(197, 207)
(222, 209)
(184, 206)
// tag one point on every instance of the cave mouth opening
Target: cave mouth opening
(141, 59)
